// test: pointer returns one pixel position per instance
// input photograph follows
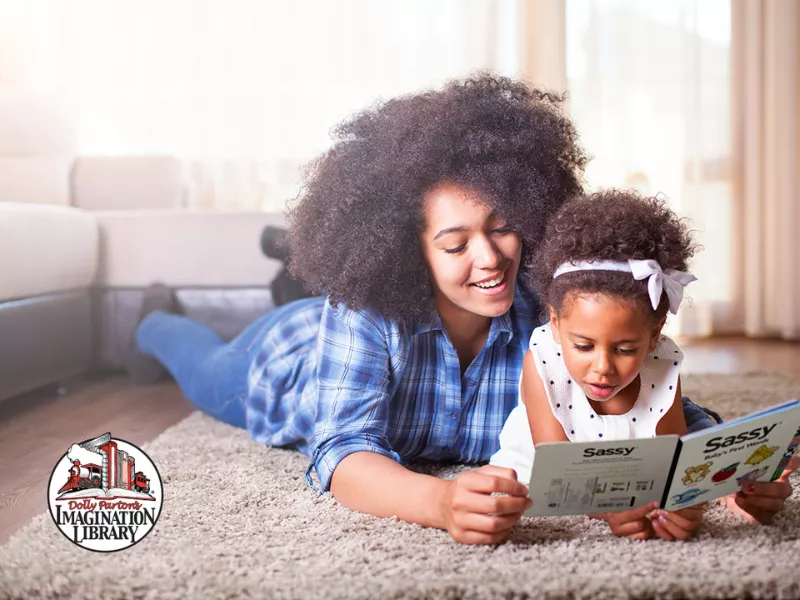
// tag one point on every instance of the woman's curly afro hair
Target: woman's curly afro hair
(610, 225)
(355, 227)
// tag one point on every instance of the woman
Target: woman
(416, 223)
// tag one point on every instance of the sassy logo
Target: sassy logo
(105, 494)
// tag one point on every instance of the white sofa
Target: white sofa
(80, 238)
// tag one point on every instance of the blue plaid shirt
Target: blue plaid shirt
(331, 381)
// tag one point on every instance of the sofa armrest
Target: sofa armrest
(45, 249)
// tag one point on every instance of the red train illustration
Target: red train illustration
(141, 483)
(83, 476)
(118, 469)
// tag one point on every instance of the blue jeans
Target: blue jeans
(211, 373)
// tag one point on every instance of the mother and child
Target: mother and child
(445, 227)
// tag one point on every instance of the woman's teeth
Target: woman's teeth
(491, 283)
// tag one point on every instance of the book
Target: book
(103, 494)
(572, 478)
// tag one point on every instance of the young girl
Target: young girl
(609, 269)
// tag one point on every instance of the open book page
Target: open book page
(101, 494)
(716, 462)
(572, 478)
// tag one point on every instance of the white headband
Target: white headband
(670, 281)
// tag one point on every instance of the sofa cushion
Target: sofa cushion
(184, 248)
(35, 179)
(45, 249)
(127, 182)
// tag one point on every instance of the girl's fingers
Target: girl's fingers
(679, 526)
(772, 489)
(642, 536)
(632, 528)
(662, 530)
(687, 518)
(634, 514)
(761, 507)
(794, 465)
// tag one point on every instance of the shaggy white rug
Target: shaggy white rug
(239, 522)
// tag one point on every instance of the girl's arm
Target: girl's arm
(673, 420)
(377, 485)
(543, 423)
(678, 524)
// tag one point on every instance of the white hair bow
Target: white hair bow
(670, 281)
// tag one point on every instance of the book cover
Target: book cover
(570, 478)
(718, 461)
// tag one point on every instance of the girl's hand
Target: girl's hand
(678, 524)
(759, 502)
(472, 515)
(632, 524)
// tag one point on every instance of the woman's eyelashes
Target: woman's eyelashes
(455, 250)
(497, 230)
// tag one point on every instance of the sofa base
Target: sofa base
(44, 339)
(227, 311)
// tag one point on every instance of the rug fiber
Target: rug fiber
(239, 521)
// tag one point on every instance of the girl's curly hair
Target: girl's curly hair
(355, 227)
(610, 225)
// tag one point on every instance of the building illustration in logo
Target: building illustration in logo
(116, 471)
(105, 494)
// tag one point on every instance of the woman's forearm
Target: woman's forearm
(375, 484)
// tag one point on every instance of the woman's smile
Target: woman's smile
(492, 286)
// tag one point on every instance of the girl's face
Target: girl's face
(604, 342)
(473, 257)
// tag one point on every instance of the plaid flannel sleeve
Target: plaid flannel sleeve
(353, 390)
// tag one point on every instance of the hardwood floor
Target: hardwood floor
(36, 429)
(740, 355)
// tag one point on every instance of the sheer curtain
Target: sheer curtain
(699, 100)
(245, 91)
(650, 86)
(767, 158)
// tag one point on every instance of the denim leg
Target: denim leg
(697, 417)
(211, 373)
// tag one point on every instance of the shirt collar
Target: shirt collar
(432, 323)
(501, 324)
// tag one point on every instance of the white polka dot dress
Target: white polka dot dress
(659, 378)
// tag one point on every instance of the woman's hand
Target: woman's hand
(632, 524)
(759, 502)
(678, 524)
(472, 515)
